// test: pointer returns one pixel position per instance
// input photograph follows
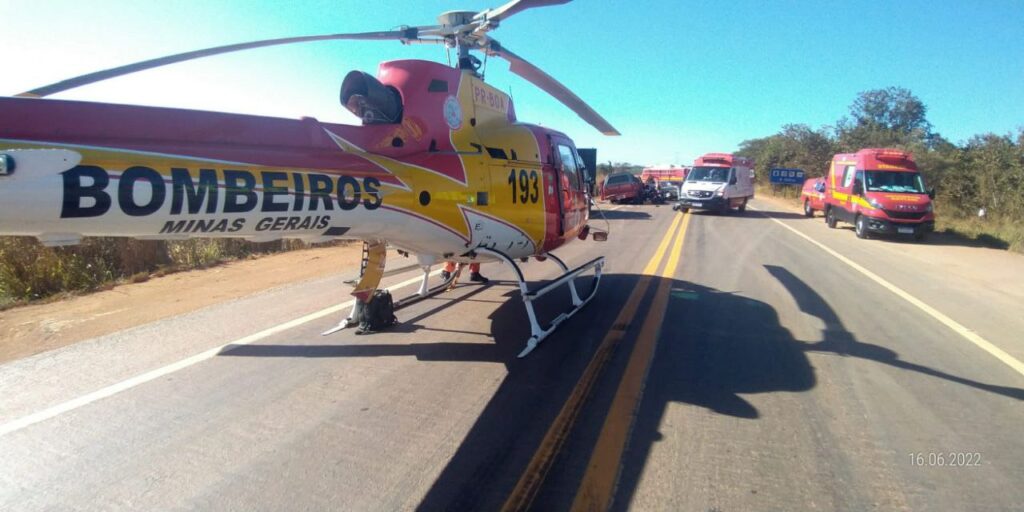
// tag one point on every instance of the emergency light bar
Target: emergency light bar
(893, 156)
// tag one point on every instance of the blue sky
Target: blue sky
(678, 79)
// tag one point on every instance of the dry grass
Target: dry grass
(995, 233)
(789, 193)
(31, 272)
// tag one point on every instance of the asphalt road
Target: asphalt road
(726, 363)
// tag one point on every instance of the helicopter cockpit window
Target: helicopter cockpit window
(569, 166)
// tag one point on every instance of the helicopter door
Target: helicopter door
(570, 184)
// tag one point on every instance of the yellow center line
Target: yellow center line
(597, 489)
(532, 478)
(659, 254)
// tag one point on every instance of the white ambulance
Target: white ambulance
(718, 182)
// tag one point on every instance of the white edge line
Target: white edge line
(970, 335)
(113, 389)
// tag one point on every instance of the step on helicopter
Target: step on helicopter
(439, 168)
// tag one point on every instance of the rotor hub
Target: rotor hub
(455, 18)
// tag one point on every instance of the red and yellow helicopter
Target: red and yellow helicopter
(440, 167)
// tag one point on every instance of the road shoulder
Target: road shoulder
(33, 329)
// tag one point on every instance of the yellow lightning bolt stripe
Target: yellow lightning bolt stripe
(446, 193)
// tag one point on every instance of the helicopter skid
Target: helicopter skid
(538, 333)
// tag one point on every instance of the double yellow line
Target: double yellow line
(597, 488)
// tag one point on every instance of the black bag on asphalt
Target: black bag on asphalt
(378, 314)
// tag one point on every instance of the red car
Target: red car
(622, 188)
(813, 196)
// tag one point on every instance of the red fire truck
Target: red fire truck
(664, 174)
(878, 191)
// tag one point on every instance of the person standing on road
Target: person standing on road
(474, 272)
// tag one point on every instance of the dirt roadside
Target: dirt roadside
(996, 269)
(32, 329)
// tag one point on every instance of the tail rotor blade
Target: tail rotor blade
(401, 35)
(545, 82)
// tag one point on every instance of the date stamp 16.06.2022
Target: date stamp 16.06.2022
(945, 459)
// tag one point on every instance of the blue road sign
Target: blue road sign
(786, 176)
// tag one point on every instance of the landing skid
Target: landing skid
(538, 333)
(424, 292)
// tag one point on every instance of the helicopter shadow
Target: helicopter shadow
(704, 358)
(486, 465)
(715, 359)
(438, 351)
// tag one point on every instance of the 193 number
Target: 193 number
(525, 186)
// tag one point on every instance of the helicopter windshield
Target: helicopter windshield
(709, 174)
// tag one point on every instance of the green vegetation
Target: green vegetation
(985, 173)
(30, 271)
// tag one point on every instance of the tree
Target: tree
(795, 146)
(937, 159)
(811, 149)
(884, 118)
(995, 168)
(893, 108)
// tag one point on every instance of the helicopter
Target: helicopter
(440, 167)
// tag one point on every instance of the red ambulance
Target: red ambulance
(878, 191)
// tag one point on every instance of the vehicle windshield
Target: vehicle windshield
(711, 174)
(615, 179)
(894, 181)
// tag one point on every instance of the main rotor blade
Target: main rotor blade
(407, 34)
(516, 6)
(551, 86)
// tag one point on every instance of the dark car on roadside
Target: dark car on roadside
(669, 191)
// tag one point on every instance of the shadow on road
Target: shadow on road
(486, 352)
(621, 215)
(838, 340)
(953, 238)
(733, 345)
(715, 346)
(773, 214)
(421, 351)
